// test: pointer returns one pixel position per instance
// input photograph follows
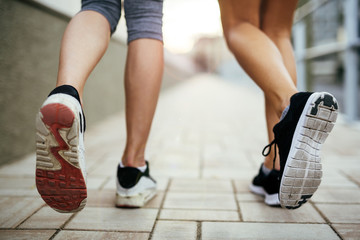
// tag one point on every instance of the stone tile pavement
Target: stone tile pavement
(204, 149)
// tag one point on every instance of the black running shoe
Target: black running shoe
(299, 136)
(134, 188)
(267, 186)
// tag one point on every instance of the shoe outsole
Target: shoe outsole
(59, 179)
(303, 169)
(136, 201)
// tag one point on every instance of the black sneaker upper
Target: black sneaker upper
(270, 182)
(128, 177)
(260, 178)
(284, 130)
(70, 90)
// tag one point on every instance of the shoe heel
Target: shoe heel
(322, 115)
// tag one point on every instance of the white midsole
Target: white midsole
(257, 190)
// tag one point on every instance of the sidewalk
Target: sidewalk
(204, 149)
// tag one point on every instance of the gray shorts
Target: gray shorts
(143, 17)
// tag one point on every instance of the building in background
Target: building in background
(326, 39)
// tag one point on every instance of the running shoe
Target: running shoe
(299, 135)
(60, 163)
(134, 188)
(267, 186)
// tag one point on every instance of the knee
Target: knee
(144, 19)
(110, 9)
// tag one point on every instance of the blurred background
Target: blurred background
(325, 37)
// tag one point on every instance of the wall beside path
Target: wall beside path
(29, 51)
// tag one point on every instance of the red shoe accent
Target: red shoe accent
(63, 189)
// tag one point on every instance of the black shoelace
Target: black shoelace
(269, 151)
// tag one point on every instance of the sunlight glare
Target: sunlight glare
(187, 20)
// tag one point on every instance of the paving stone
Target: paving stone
(165, 230)
(260, 212)
(156, 201)
(356, 180)
(270, 231)
(14, 210)
(352, 170)
(46, 218)
(94, 182)
(94, 235)
(341, 213)
(26, 234)
(348, 231)
(22, 183)
(176, 160)
(229, 156)
(249, 197)
(107, 168)
(24, 167)
(161, 182)
(169, 172)
(337, 182)
(199, 215)
(200, 185)
(96, 218)
(210, 201)
(101, 198)
(242, 185)
(20, 186)
(325, 195)
(227, 173)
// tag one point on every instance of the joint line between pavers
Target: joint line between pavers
(107, 179)
(30, 216)
(326, 219)
(236, 200)
(198, 230)
(350, 178)
(160, 208)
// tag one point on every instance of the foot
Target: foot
(299, 136)
(267, 185)
(60, 164)
(134, 187)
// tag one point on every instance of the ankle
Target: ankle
(133, 159)
(268, 164)
(280, 101)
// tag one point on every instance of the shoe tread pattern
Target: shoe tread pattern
(302, 176)
(59, 179)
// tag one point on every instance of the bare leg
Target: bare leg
(143, 74)
(84, 43)
(257, 54)
(276, 23)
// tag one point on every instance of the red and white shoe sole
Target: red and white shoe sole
(59, 178)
